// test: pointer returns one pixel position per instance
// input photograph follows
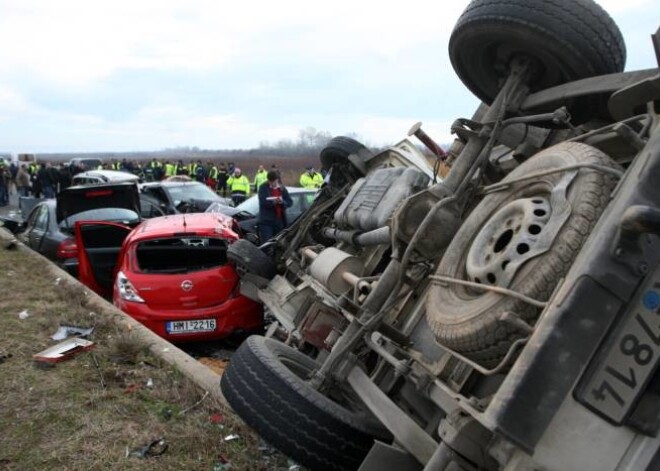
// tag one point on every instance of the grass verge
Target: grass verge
(85, 413)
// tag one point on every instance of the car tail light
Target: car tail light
(127, 291)
(67, 249)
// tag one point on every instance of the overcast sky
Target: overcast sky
(81, 75)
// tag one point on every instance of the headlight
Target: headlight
(126, 289)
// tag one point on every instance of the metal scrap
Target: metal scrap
(64, 350)
(154, 448)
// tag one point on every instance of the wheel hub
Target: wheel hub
(519, 231)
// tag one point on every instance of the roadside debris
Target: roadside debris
(195, 404)
(64, 350)
(150, 383)
(293, 466)
(23, 314)
(66, 330)
(131, 388)
(57, 281)
(231, 438)
(223, 464)
(4, 356)
(154, 448)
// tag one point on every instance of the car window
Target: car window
(251, 205)
(180, 254)
(149, 209)
(156, 192)
(102, 214)
(298, 205)
(190, 191)
(41, 221)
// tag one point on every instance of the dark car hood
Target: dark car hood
(77, 199)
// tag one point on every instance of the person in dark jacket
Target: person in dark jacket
(273, 201)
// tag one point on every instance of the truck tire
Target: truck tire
(343, 150)
(248, 258)
(468, 320)
(265, 385)
(569, 39)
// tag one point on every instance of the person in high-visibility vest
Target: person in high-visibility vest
(211, 175)
(170, 169)
(311, 179)
(260, 177)
(192, 169)
(239, 187)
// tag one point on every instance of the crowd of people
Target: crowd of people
(46, 179)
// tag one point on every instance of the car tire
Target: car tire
(347, 152)
(469, 320)
(264, 384)
(248, 258)
(570, 40)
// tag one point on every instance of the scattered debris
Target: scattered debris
(57, 281)
(66, 330)
(231, 438)
(195, 404)
(223, 464)
(98, 368)
(64, 350)
(131, 388)
(150, 383)
(166, 413)
(217, 419)
(4, 356)
(293, 466)
(155, 448)
(217, 365)
(23, 314)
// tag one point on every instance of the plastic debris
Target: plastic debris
(154, 448)
(64, 350)
(57, 281)
(231, 438)
(23, 314)
(223, 464)
(217, 419)
(293, 466)
(131, 388)
(67, 330)
(150, 383)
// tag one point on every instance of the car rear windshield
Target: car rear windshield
(181, 254)
(120, 215)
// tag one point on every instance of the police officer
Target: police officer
(239, 187)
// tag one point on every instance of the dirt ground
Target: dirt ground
(91, 411)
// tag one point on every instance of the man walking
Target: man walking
(23, 181)
(273, 201)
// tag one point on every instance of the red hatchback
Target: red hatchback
(170, 273)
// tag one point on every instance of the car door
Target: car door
(99, 251)
(37, 227)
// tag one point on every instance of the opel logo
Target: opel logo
(187, 285)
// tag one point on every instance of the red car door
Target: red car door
(99, 248)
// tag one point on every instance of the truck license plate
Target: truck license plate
(185, 327)
(621, 374)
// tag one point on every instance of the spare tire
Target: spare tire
(468, 320)
(265, 385)
(568, 39)
(345, 151)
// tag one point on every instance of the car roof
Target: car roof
(201, 223)
(109, 175)
(170, 183)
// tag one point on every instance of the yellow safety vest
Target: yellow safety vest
(239, 184)
(170, 170)
(260, 178)
(311, 181)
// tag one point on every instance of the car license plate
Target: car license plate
(185, 327)
(625, 365)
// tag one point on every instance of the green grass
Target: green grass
(63, 418)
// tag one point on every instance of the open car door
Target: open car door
(99, 247)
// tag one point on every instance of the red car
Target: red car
(169, 273)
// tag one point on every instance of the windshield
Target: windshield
(181, 254)
(102, 214)
(251, 205)
(190, 191)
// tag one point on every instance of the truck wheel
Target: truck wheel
(265, 385)
(523, 238)
(248, 258)
(345, 151)
(569, 40)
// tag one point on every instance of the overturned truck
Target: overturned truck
(506, 317)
